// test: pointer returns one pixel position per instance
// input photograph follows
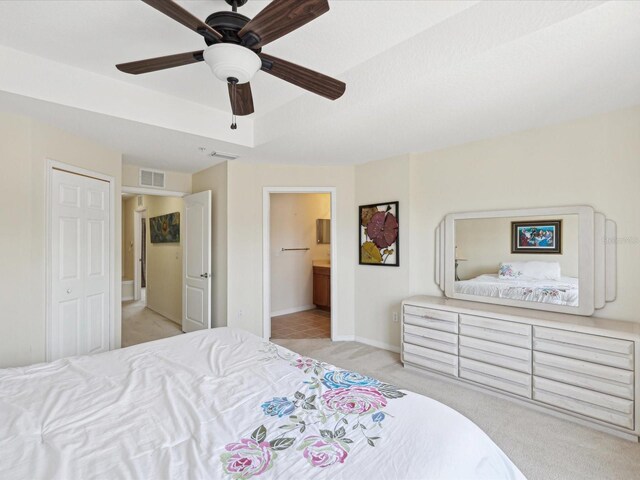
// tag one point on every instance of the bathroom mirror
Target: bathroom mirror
(323, 231)
(554, 259)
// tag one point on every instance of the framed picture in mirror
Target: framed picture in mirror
(544, 236)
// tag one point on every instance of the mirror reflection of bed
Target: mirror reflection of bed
(501, 258)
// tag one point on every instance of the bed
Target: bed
(221, 404)
(559, 292)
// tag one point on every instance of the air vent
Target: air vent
(151, 178)
(224, 156)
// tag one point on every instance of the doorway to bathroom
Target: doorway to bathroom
(298, 283)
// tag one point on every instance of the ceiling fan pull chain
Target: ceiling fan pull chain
(234, 83)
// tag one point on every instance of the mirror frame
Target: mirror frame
(596, 253)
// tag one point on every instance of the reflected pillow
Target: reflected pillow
(529, 270)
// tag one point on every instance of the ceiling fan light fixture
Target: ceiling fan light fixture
(228, 60)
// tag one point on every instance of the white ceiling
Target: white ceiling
(420, 75)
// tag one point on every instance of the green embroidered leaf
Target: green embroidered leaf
(355, 426)
(362, 426)
(302, 429)
(346, 440)
(375, 438)
(391, 392)
(370, 442)
(311, 399)
(259, 434)
(340, 432)
(326, 433)
(293, 417)
(281, 443)
(299, 395)
(344, 420)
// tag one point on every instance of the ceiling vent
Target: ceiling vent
(151, 178)
(223, 156)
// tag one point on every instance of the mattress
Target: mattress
(224, 404)
(559, 292)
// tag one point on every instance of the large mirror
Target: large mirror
(547, 259)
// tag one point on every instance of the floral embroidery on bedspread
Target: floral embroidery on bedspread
(322, 419)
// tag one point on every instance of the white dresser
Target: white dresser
(581, 367)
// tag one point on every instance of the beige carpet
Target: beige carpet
(139, 324)
(542, 446)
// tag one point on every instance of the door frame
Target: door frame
(114, 297)
(266, 253)
(138, 215)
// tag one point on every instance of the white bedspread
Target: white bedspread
(562, 292)
(224, 404)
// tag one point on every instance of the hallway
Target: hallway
(139, 324)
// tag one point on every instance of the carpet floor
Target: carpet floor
(542, 446)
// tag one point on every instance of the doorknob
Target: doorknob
(68, 290)
(205, 275)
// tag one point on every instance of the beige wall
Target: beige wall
(215, 179)
(164, 261)
(592, 161)
(24, 147)
(486, 242)
(380, 290)
(174, 181)
(293, 225)
(245, 183)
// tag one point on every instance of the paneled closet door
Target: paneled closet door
(80, 289)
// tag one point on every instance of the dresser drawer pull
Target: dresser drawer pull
(430, 313)
(426, 342)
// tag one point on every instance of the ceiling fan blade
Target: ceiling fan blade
(279, 18)
(303, 77)
(179, 14)
(161, 63)
(243, 104)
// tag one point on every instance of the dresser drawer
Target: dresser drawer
(582, 346)
(501, 331)
(436, 339)
(435, 319)
(497, 377)
(610, 380)
(432, 359)
(515, 358)
(600, 406)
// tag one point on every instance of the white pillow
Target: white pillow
(529, 270)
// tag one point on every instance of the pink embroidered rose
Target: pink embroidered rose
(247, 458)
(323, 453)
(356, 400)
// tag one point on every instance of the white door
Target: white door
(196, 267)
(80, 279)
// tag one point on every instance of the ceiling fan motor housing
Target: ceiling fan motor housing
(228, 24)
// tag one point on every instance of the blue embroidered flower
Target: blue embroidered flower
(378, 417)
(346, 379)
(279, 406)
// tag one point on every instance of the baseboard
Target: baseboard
(377, 344)
(127, 298)
(179, 323)
(344, 338)
(287, 311)
(127, 290)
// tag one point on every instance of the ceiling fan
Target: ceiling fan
(234, 48)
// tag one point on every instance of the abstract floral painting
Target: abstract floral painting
(536, 237)
(379, 234)
(165, 228)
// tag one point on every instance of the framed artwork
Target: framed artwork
(544, 236)
(379, 234)
(165, 228)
